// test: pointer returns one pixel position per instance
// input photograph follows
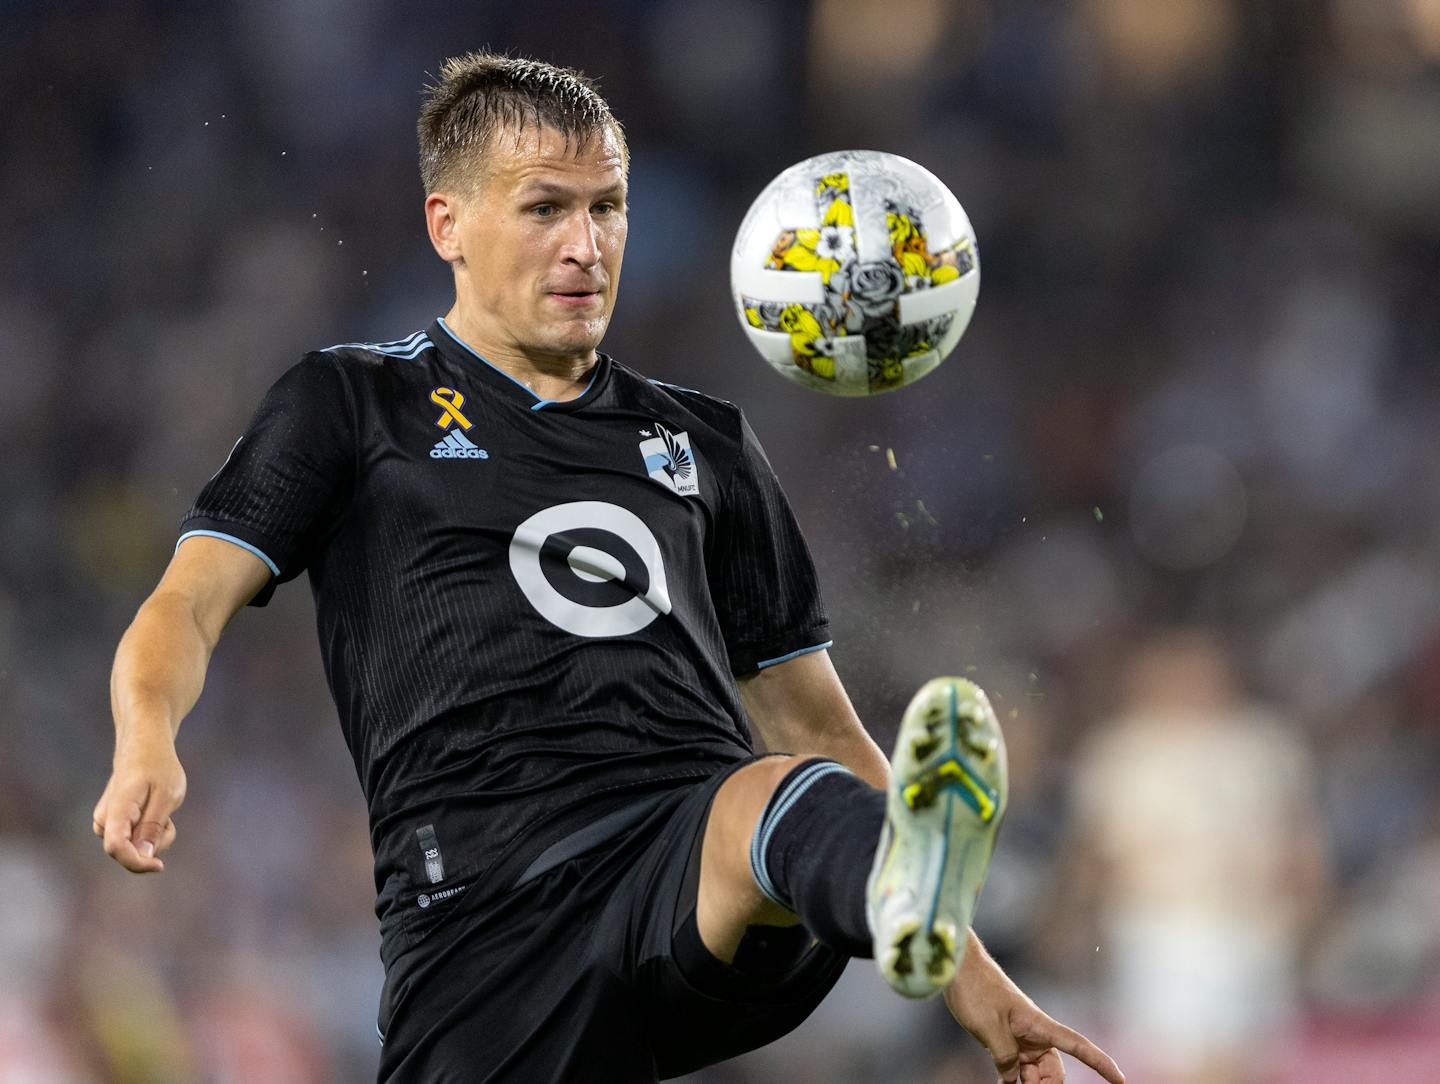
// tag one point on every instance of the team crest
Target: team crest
(671, 461)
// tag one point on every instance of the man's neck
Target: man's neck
(553, 377)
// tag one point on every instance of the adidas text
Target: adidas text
(457, 445)
(445, 452)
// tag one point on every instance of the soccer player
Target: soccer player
(549, 594)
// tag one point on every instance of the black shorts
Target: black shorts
(592, 968)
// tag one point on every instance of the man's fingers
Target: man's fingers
(1043, 1068)
(155, 830)
(120, 821)
(1006, 1055)
(146, 837)
(120, 827)
(1082, 1049)
(151, 838)
(1046, 1069)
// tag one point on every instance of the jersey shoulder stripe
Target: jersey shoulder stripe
(407, 348)
(689, 393)
(675, 387)
(720, 414)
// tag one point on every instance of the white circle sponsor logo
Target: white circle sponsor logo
(423, 900)
(590, 568)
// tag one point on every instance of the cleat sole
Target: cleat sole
(947, 798)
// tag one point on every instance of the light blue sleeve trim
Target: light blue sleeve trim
(274, 568)
(793, 655)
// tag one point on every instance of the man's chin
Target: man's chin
(577, 337)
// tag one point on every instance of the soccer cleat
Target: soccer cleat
(947, 796)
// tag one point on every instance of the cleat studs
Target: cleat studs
(890, 965)
(980, 740)
(922, 793)
(900, 958)
(942, 963)
(925, 747)
(939, 959)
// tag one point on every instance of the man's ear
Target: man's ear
(441, 220)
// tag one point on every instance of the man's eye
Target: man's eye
(604, 208)
(545, 210)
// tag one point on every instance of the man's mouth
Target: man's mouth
(575, 297)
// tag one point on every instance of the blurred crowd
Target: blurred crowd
(1173, 500)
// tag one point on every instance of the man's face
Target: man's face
(540, 241)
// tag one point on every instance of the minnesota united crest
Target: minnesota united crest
(671, 461)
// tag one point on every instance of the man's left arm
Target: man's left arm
(800, 707)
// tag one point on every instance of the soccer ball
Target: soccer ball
(855, 272)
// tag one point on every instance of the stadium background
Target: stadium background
(1173, 501)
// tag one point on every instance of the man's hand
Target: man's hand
(133, 816)
(1023, 1041)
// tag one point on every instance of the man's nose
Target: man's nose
(582, 241)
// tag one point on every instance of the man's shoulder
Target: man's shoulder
(365, 368)
(719, 414)
(369, 355)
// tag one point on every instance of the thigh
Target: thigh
(513, 991)
(696, 1009)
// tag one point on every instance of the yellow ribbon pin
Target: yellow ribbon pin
(450, 401)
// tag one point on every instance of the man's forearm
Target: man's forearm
(159, 670)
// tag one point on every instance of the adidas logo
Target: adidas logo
(457, 445)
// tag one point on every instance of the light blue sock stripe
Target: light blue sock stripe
(761, 837)
(793, 793)
(783, 802)
(758, 872)
(765, 830)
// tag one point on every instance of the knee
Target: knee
(742, 799)
(734, 819)
(761, 780)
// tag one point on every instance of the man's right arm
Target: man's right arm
(158, 674)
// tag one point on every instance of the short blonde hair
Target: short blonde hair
(480, 93)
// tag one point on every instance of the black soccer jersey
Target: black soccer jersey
(527, 609)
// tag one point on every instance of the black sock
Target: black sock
(813, 847)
